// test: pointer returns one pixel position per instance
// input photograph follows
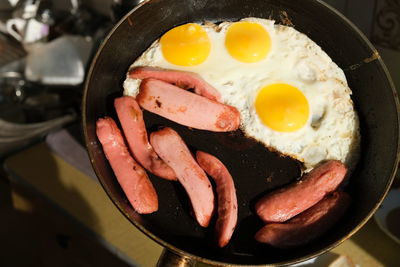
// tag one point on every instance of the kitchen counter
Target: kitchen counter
(80, 196)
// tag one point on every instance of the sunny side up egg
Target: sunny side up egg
(291, 96)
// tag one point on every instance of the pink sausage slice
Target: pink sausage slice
(133, 179)
(187, 108)
(306, 226)
(283, 204)
(227, 202)
(181, 79)
(131, 117)
(172, 149)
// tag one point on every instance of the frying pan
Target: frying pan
(250, 163)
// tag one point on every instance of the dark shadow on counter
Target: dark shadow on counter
(35, 230)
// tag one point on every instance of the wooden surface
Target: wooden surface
(84, 199)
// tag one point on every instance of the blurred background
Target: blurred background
(53, 211)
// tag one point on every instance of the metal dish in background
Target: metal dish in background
(373, 94)
(388, 215)
(10, 50)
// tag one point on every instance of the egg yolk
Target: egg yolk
(247, 42)
(282, 107)
(186, 45)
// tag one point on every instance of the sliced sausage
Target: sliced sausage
(131, 176)
(308, 225)
(131, 118)
(283, 204)
(186, 108)
(172, 149)
(183, 79)
(227, 202)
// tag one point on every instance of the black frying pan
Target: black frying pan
(250, 163)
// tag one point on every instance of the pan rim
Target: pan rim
(183, 253)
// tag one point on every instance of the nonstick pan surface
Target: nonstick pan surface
(255, 169)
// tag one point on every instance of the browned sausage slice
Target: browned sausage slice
(131, 118)
(186, 108)
(283, 204)
(131, 176)
(306, 226)
(227, 202)
(183, 79)
(172, 149)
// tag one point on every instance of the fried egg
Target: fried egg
(291, 96)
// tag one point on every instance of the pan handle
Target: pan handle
(170, 259)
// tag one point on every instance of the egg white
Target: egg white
(332, 131)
